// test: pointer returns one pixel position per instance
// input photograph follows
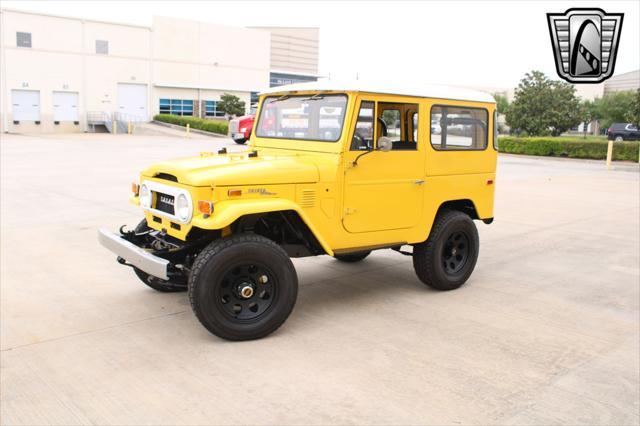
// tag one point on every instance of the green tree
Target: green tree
(616, 107)
(634, 117)
(588, 113)
(502, 103)
(542, 106)
(231, 105)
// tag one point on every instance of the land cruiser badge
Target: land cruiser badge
(585, 43)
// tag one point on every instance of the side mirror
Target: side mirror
(385, 144)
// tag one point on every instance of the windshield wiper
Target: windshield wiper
(281, 98)
(314, 97)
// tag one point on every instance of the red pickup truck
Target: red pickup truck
(240, 128)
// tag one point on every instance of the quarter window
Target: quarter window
(176, 106)
(23, 39)
(363, 136)
(458, 128)
(211, 109)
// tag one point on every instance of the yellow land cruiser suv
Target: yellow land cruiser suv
(333, 169)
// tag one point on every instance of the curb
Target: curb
(183, 128)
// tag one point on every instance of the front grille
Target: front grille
(164, 203)
(233, 126)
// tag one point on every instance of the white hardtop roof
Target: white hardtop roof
(440, 92)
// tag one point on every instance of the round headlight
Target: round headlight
(145, 196)
(182, 207)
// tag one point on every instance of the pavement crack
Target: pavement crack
(82, 333)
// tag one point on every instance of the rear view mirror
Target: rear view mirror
(385, 144)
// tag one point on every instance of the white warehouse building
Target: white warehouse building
(61, 74)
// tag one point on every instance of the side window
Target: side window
(399, 122)
(363, 135)
(495, 129)
(391, 118)
(458, 128)
(414, 125)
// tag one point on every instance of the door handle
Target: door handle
(419, 181)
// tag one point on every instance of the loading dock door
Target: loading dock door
(65, 106)
(132, 100)
(26, 105)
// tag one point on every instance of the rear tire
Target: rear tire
(446, 260)
(352, 257)
(154, 282)
(243, 287)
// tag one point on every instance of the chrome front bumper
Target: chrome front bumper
(136, 256)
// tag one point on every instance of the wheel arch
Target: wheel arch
(466, 206)
(241, 213)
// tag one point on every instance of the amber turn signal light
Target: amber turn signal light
(205, 207)
(135, 188)
(234, 192)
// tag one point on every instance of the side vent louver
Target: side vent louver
(307, 198)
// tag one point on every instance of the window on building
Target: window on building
(211, 109)
(23, 39)
(176, 106)
(456, 128)
(102, 47)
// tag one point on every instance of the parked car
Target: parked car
(240, 128)
(323, 177)
(623, 132)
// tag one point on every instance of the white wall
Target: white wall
(174, 58)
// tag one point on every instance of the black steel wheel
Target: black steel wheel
(177, 285)
(455, 252)
(243, 287)
(247, 290)
(353, 257)
(446, 260)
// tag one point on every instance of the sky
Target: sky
(479, 44)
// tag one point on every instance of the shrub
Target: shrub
(568, 147)
(219, 127)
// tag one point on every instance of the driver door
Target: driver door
(385, 190)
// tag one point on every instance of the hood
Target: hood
(238, 169)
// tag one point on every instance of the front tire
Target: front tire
(243, 287)
(618, 138)
(240, 141)
(446, 260)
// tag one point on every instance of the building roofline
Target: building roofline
(74, 18)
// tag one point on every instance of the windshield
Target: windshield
(308, 117)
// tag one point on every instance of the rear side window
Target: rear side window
(458, 128)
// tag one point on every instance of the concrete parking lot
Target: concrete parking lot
(545, 332)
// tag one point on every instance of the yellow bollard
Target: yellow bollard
(130, 128)
(188, 129)
(114, 127)
(609, 154)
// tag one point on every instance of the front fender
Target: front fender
(227, 212)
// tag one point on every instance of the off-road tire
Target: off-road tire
(352, 257)
(429, 257)
(154, 282)
(208, 280)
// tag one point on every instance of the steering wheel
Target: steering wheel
(359, 141)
